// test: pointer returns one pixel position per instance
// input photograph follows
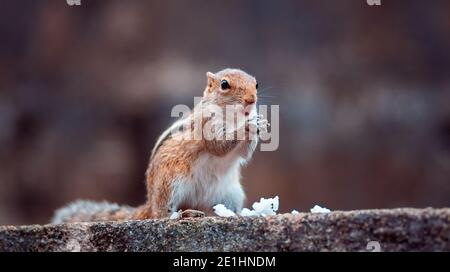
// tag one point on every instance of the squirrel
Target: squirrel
(191, 175)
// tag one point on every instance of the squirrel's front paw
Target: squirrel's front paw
(257, 124)
(263, 124)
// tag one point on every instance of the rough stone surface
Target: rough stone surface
(395, 230)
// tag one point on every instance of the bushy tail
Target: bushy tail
(89, 211)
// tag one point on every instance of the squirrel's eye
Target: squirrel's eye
(224, 85)
(256, 85)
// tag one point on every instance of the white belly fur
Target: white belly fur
(215, 180)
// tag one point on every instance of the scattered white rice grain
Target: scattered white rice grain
(294, 212)
(267, 206)
(175, 215)
(221, 210)
(247, 212)
(318, 209)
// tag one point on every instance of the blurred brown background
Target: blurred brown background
(364, 94)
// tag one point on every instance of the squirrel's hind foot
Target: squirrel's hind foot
(189, 213)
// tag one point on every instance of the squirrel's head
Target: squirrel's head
(232, 87)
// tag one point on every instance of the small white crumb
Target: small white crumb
(247, 212)
(318, 209)
(175, 215)
(294, 212)
(221, 210)
(267, 206)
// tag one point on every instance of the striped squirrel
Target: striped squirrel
(190, 174)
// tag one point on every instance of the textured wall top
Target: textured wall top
(393, 230)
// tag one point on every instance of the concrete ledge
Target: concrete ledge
(394, 230)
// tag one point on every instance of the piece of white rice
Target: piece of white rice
(175, 215)
(223, 211)
(318, 209)
(247, 212)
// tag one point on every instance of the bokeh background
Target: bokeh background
(364, 95)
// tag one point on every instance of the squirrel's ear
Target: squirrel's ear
(210, 79)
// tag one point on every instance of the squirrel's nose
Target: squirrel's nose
(250, 99)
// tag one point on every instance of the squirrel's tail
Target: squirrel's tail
(89, 211)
